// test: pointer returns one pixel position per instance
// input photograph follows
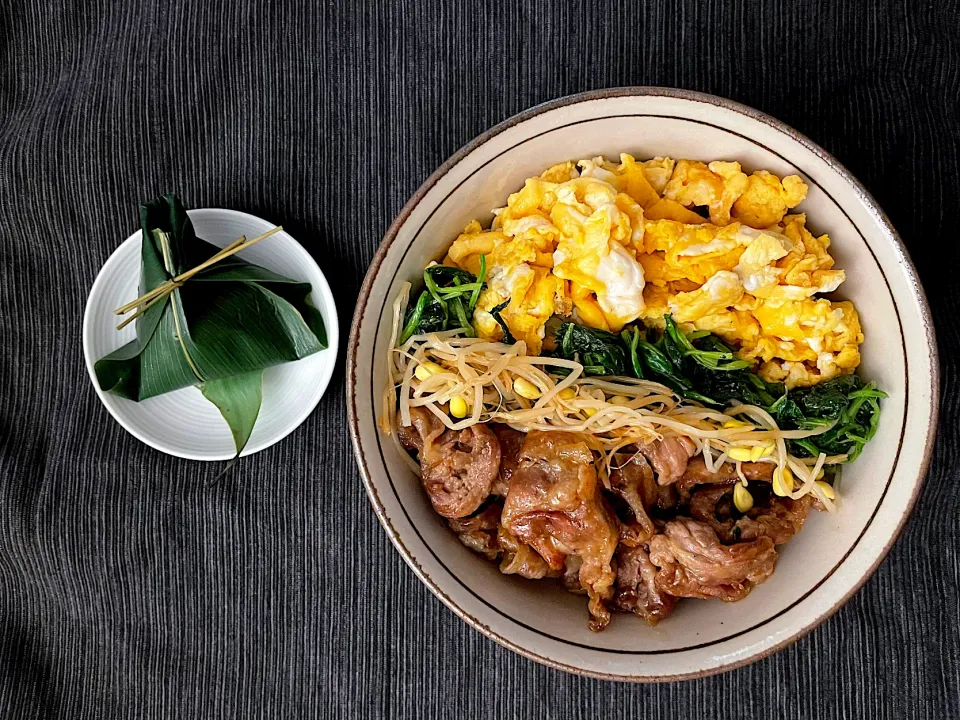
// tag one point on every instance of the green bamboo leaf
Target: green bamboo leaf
(233, 318)
(218, 330)
(235, 269)
(238, 399)
(119, 372)
(134, 371)
(165, 216)
(163, 365)
(232, 268)
(298, 296)
(237, 328)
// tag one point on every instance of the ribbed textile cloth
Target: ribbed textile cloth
(133, 587)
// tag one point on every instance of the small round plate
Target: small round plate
(183, 422)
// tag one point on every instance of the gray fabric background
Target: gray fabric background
(130, 588)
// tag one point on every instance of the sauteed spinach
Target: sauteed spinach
(701, 367)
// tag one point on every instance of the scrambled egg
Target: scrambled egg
(611, 243)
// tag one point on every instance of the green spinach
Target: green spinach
(508, 338)
(447, 301)
(850, 406)
(598, 351)
(701, 367)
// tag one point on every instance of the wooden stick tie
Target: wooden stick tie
(161, 291)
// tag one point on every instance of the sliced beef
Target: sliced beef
(637, 473)
(457, 468)
(774, 517)
(669, 457)
(510, 443)
(521, 559)
(554, 505)
(637, 590)
(460, 469)
(632, 480)
(571, 575)
(693, 563)
(632, 534)
(713, 505)
(696, 473)
(780, 522)
(424, 428)
(479, 532)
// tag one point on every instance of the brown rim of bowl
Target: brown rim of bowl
(390, 236)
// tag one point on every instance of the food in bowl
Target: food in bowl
(632, 382)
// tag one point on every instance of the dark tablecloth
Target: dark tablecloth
(131, 587)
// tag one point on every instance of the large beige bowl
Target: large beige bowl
(835, 553)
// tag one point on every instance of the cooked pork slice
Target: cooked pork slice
(554, 504)
(669, 457)
(693, 563)
(637, 590)
(479, 532)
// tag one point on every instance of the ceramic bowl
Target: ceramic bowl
(833, 555)
(183, 422)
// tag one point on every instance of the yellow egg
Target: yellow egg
(658, 172)
(718, 293)
(766, 199)
(755, 267)
(629, 177)
(594, 252)
(668, 209)
(716, 186)
(561, 172)
(608, 243)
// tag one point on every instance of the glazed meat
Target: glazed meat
(669, 457)
(636, 472)
(533, 501)
(637, 590)
(632, 479)
(571, 575)
(460, 471)
(521, 559)
(554, 504)
(633, 535)
(479, 532)
(696, 473)
(510, 443)
(781, 521)
(424, 428)
(457, 468)
(693, 563)
(713, 505)
(778, 519)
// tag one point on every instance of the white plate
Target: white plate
(835, 553)
(183, 422)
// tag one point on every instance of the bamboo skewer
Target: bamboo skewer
(164, 287)
(142, 310)
(147, 300)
